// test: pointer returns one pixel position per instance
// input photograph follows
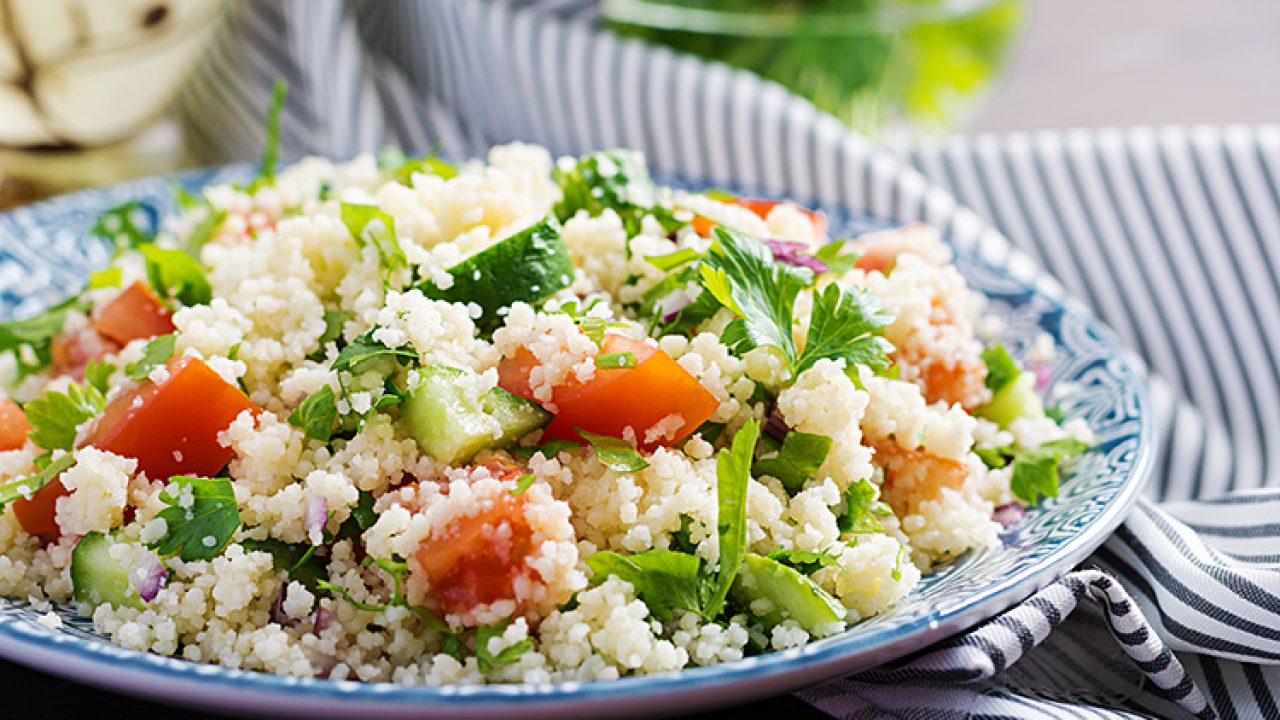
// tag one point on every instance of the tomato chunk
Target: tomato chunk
(478, 558)
(13, 426)
(37, 513)
(639, 398)
(73, 351)
(135, 313)
(762, 208)
(172, 427)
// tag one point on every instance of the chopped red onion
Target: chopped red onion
(321, 620)
(673, 303)
(148, 576)
(278, 615)
(795, 253)
(1043, 373)
(775, 426)
(1009, 514)
(317, 514)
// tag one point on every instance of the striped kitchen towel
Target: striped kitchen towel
(1171, 236)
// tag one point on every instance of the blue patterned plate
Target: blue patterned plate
(44, 255)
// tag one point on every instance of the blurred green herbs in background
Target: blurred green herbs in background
(871, 63)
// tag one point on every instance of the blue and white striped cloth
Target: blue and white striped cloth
(1172, 236)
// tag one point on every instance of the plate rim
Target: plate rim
(105, 664)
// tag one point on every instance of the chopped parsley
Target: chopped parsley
(365, 348)
(54, 416)
(616, 360)
(157, 352)
(612, 180)
(805, 562)
(797, 461)
(1001, 368)
(665, 580)
(176, 274)
(615, 453)
(862, 511)
(549, 449)
(200, 519)
(317, 415)
(370, 225)
(25, 487)
(523, 483)
(486, 661)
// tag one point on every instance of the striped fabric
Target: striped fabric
(1172, 236)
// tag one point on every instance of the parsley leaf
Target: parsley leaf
(333, 323)
(98, 374)
(157, 352)
(862, 509)
(298, 560)
(843, 326)
(838, 263)
(1001, 368)
(402, 168)
(25, 487)
(1035, 472)
(797, 461)
(37, 332)
(665, 580)
(365, 348)
(733, 475)
(369, 225)
(549, 449)
(201, 517)
(806, 562)
(175, 274)
(615, 453)
(616, 180)
(55, 415)
(673, 260)
(204, 230)
(486, 661)
(317, 415)
(523, 483)
(362, 517)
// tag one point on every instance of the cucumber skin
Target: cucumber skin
(96, 578)
(789, 591)
(1016, 400)
(526, 267)
(452, 428)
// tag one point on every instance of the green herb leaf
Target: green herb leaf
(401, 168)
(806, 562)
(201, 517)
(616, 180)
(25, 487)
(109, 277)
(673, 260)
(334, 320)
(733, 474)
(1035, 472)
(1056, 414)
(117, 225)
(549, 449)
(271, 145)
(97, 374)
(298, 560)
(175, 274)
(204, 230)
(615, 453)
(37, 332)
(616, 360)
(664, 579)
(844, 326)
(798, 461)
(365, 348)
(838, 262)
(523, 483)
(317, 415)
(994, 458)
(1001, 368)
(369, 225)
(55, 415)
(862, 509)
(486, 661)
(157, 352)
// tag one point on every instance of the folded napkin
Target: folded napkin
(1172, 237)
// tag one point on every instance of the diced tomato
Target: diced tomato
(135, 313)
(73, 351)
(513, 374)
(172, 427)
(478, 558)
(13, 426)
(615, 399)
(762, 208)
(36, 514)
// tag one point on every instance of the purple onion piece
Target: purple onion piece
(317, 514)
(774, 425)
(1009, 514)
(148, 576)
(672, 304)
(794, 253)
(278, 615)
(1043, 373)
(321, 620)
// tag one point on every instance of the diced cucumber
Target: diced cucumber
(792, 595)
(526, 267)
(452, 425)
(98, 578)
(1015, 400)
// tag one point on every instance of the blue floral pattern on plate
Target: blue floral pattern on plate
(46, 253)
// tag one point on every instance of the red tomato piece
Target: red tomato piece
(135, 313)
(73, 351)
(13, 426)
(172, 427)
(762, 208)
(478, 558)
(638, 397)
(37, 513)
